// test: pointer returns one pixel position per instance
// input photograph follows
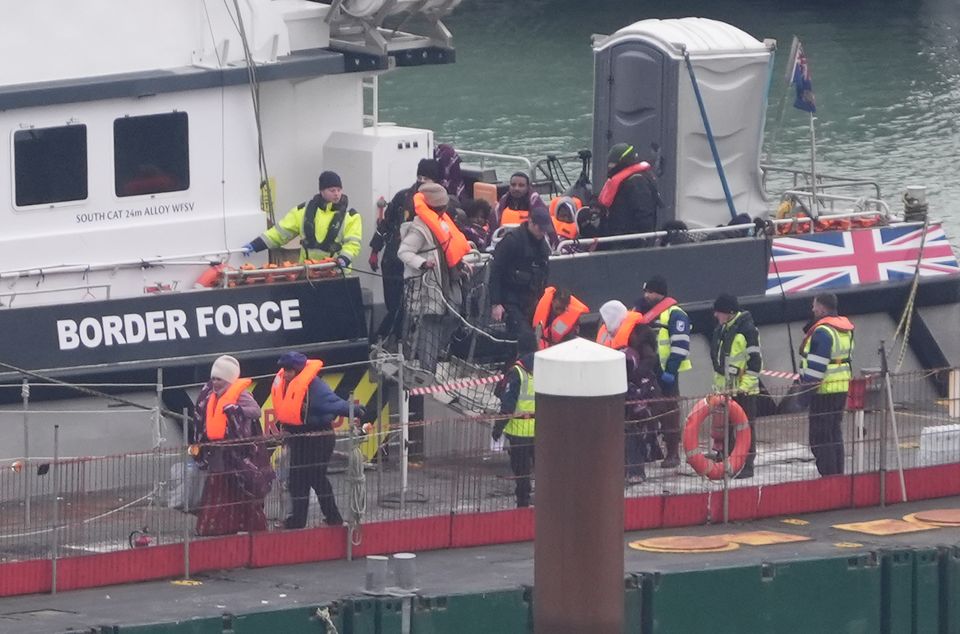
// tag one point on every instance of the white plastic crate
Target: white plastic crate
(939, 444)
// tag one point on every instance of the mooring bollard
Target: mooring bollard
(376, 579)
(405, 566)
(578, 550)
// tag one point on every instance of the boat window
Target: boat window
(151, 154)
(50, 165)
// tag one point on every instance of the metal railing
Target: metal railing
(823, 180)
(60, 507)
(494, 156)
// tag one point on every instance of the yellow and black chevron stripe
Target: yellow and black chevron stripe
(358, 381)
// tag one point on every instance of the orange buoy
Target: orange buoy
(691, 432)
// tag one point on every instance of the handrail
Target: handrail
(558, 252)
(88, 287)
(747, 228)
(216, 257)
(883, 207)
(482, 155)
(847, 180)
(851, 214)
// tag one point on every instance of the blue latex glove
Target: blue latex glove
(247, 249)
(342, 262)
(668, 379)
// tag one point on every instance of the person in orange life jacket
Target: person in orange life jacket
(557, 317)
(306, 408)
(476, 225)
(672, 326)
(518, 276)
(326, 224)
(239, 475)
(517, 400)
(432, 249)
(630, 195)
(826, 370)
(643, 384)
(387, 239)
(564, 210)
(515, 206)
(616, 324)
(737, 362)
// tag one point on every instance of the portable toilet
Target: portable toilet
(644, 96)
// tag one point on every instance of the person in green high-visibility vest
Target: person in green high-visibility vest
(737, 361)
(518, 401)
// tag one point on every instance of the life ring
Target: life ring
(691, 432)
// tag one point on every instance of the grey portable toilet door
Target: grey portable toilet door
(635, 84)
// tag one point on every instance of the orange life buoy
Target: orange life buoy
(691, 432)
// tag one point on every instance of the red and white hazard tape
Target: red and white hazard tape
(780, 375)
(473, 382)
(455, 385)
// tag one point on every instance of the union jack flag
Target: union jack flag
(801, 78)
(850, 258)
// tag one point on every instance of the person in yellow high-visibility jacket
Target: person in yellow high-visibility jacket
(737, 362)
(518, 400)
(326, 224)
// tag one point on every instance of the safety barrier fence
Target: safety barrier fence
(69, 522)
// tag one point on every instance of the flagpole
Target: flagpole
(814, 207)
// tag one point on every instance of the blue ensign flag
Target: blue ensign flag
(802, 81)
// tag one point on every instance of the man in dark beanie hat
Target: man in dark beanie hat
(326, 225)
(630, 194)
(672, 326)
(387, 239)
(735, 352)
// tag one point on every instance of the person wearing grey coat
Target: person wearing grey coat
(433, 294)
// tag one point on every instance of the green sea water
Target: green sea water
(886, 75)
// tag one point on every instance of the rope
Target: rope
(255, 96)
(357, 499)
(323, 614)
(463, 320)
(906, 319)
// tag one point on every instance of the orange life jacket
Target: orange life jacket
(612, 186)
(562, 324)
(834, 321)
(510, 216)
(447, 234)
(288, 399)
(566, 230)
(658, 308)
(622, 337)
(215, 420)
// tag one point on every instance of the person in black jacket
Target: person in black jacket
(737, 362)
(387, 239)
(630, 194)
(311, 444)
(519, 275)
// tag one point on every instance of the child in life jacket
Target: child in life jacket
(476, 226)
